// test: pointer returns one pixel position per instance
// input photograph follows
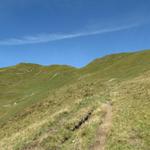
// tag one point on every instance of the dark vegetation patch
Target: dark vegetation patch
(82, 121)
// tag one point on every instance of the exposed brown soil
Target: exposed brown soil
(104, 128)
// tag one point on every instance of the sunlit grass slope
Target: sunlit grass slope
(124, 65)
(59, 107)
(131, 118)
(24, 84)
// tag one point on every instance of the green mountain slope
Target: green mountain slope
(122, 65)
(62, 107)
(25, 84)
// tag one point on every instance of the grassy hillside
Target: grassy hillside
(61, 107)
(131, 116)
(124, 65)
(25, 84)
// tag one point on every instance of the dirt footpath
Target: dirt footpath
(104, 128)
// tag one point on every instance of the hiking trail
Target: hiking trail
(104, 128)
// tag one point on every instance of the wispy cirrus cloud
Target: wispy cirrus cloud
(44, 38)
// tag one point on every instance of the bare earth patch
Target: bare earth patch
(104, 128)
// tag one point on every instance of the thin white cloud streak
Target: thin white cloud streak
(44, 38)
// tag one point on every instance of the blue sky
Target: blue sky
(72, 32)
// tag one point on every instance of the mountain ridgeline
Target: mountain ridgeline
(61, 107)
